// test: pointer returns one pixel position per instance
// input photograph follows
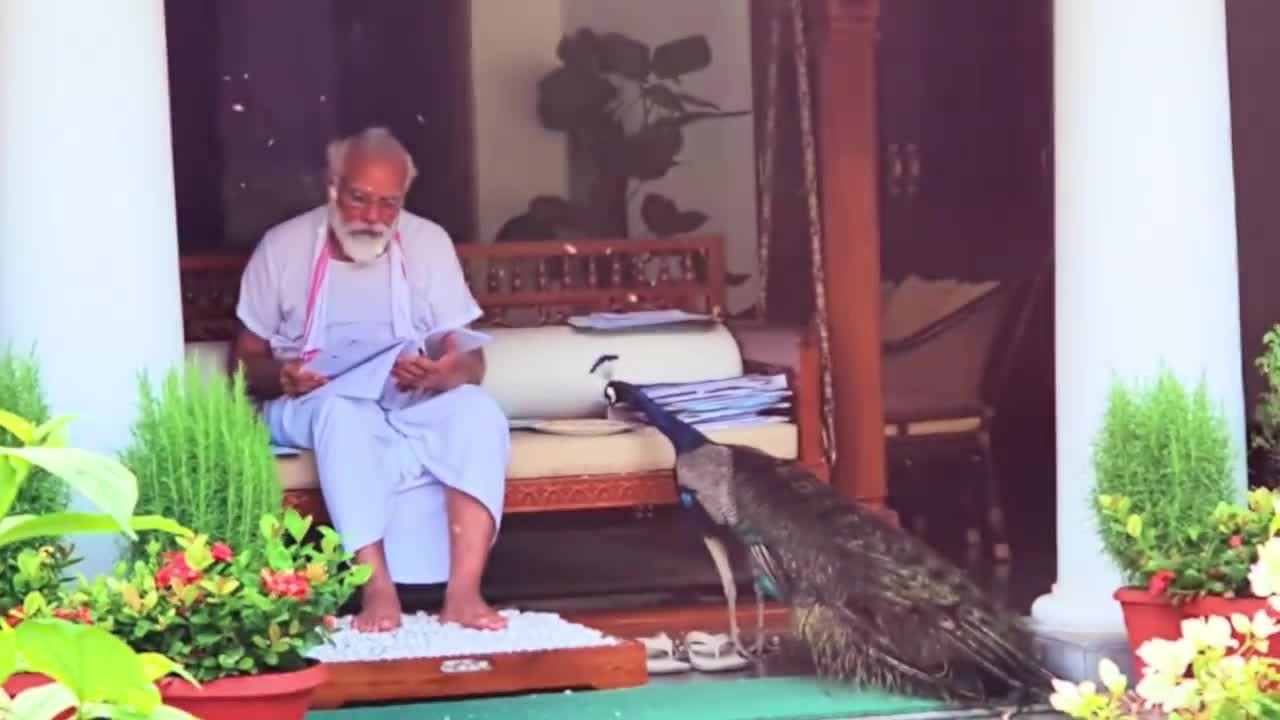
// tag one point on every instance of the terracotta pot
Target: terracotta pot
(1226, 607)
(1148, 616)
(272, 696)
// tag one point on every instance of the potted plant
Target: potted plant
(1162, 462)
(202, 456)
(53, 668)
(1266, 437)
(1215, 666)
(240, 621)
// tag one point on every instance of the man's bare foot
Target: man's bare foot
(471, 612)
(379, 609)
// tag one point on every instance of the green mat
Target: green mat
(785, 698)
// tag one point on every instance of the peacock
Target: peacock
(872, 604)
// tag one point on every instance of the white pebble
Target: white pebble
(423, 636)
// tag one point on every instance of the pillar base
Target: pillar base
(1075, 630)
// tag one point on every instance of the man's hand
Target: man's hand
(419, 372)
(296, 380)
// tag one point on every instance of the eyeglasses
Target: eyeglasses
(363, 200)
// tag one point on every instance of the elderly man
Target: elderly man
(413, 481)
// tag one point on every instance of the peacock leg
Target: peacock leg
(720, 556)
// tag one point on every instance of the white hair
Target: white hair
(376, 142)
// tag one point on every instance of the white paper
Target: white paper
(465, 340)
(354, 373)
(639, 318)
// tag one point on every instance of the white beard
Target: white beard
(361, 242)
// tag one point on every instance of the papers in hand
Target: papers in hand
(356, 369)
(638, 318)
(465, 340)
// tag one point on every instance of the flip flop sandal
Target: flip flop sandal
(660, 655)
(713, 653)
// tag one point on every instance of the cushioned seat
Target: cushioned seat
(540, 455)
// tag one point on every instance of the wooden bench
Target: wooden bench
(541, 283)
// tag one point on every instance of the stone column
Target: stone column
(1145, 257)
(88, 239)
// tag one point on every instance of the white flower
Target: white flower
(1068, 698)
(1264, 576)
(1264, 625)
(1111, 677)
(1274, 601)
(1207, 632)
(1170, 692)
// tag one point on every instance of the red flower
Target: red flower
(1236, 541)
(330, 622)
(81, 615)
(176, 570)
(14, 617)
(222, 552)
(1160, 582)
(286, 584)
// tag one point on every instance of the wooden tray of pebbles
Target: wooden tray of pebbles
(424, 660)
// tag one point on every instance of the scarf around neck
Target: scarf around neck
(315, 327)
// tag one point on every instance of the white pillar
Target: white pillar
(88, 238)
(1146, 245)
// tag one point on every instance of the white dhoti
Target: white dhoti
(384, 465)
(384, 473)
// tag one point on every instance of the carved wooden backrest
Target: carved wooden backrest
(519, 283)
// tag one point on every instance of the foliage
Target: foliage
(40, 571)
(1218, 668)
(1166, 455)
(225, 612)
(1214, 556)
(203, 456)
(91, 672)
(22, 393)
(1267, 412)
(625, 109)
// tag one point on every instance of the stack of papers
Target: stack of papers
(719, 404)
(636, 319)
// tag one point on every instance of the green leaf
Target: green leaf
(279, 558)
(53, 433)
(8, 651)
(681, 57)
(296, 525)
(580, 51)
(156, 666)
(570, 99)
(21, 428)
(44, 702)
(96, 665)
(110, 486)
(17, 528)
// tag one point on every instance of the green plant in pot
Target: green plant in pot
(241, 620)
(49, 667)
(203, 457)
(1163, 462)
(1267, 412)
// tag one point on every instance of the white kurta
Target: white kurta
(384, 466)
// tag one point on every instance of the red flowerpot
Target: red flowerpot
(21, 682)
(1148, 616)
(1226, 607)
(272, 696)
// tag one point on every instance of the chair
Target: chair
(941, 384)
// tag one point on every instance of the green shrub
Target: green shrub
(203, 456)
(1168, 453)
(22, 393)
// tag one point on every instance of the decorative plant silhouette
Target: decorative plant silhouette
(624, 109)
